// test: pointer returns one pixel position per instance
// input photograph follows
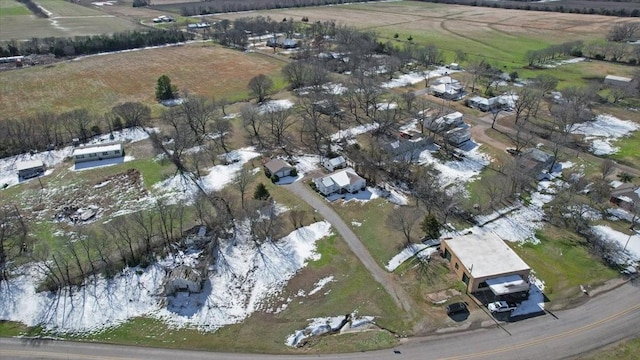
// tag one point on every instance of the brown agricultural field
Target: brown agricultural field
(455, 23)
(99, 82)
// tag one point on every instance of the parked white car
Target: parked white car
(501, 306)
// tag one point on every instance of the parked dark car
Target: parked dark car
(457, 307)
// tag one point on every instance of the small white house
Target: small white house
(334, 163)
(84, 154)
(619, 81)
(184, 278)
(278, 167)
(30, 168)
(342, 182)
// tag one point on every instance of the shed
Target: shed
(278, 167)
(619, 81)
(184, 278)
(484, 260)
(334, 163)
(30, 168)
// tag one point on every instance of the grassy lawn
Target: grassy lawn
(12, 8)
(382, 241)
(563, 263)
(628, 153)
(625, 350)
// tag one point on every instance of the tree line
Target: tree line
(48, 130)
(86, 45)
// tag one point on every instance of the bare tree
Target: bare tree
(260, 86)
(279, 122)
(607, 168)
(221, 129)
(252, 122)
(133, 113)
(623, 31)
(242, 181)
(404, 218)
(297, 217)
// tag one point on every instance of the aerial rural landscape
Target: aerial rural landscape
(338, 179)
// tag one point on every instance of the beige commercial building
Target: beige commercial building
(486, 262)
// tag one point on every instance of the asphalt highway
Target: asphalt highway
(602, 320)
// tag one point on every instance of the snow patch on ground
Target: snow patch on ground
(416, 77)
(456, 172)
(564, 62)
(354, 131)
(320, 284)
(421, 250)
(319, 326)
(603, 130)
(182, 188)
(632, 242)
(237, 285)
(275, 105)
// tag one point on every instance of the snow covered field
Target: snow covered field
(423, 251)
(237, 285)
(603, 131)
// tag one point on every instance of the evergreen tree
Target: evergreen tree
(431, 227)
(164, 89)
(261, 192)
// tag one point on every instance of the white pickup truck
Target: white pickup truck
(501, 306)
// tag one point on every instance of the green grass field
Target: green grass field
(563, 263)
(12, 8)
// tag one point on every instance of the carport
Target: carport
(508, 286)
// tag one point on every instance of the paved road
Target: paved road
(602, 320)
(380, 275)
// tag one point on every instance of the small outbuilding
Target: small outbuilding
(486, 262)
(278, 167)
(93, 153)
(184, 278)
(29, 169)
(335, 163)
(619, 81)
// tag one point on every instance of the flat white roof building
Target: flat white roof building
(96, 149)
(477, 258)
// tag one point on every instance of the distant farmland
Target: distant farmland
(67, 19)
(99, 82)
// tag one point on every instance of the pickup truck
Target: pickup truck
(501, 306)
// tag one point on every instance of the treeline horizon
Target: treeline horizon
(93, 44)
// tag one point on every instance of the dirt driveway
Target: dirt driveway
(398, 294)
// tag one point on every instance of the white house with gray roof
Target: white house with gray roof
(342, 182)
